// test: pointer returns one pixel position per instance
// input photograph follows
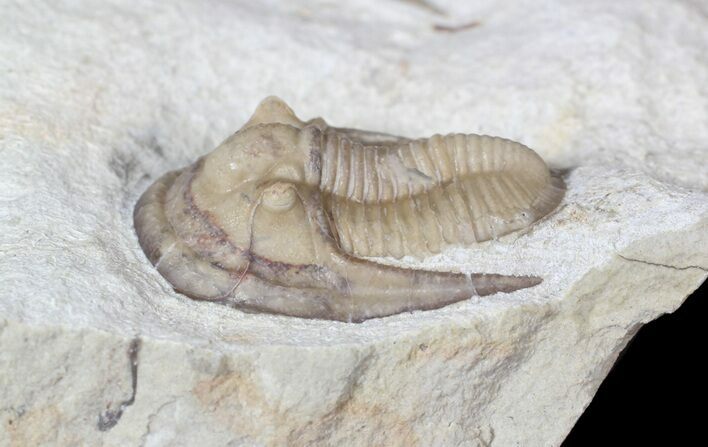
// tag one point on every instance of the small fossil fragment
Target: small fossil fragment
(277, 218)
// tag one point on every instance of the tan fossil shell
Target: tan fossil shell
(277, 217)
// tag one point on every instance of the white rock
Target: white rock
(98, 100)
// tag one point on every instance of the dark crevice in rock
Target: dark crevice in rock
(109, 418)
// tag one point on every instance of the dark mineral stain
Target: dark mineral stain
(456, 28)
(123, 165)
(155, 147)
(109, 418)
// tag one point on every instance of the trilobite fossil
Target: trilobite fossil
(278, 217)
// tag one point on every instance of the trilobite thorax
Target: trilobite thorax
(413, 197)
(292, 206)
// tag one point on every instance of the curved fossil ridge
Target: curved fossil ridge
(276, 218)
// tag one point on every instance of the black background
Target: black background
(656, 393)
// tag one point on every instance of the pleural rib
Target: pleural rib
(413, 197)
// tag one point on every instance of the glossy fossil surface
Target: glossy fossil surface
(277, 218)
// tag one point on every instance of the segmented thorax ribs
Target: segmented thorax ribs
(413, 197)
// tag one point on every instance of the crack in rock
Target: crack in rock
(109, 418)
(151, 418)
(657, 264)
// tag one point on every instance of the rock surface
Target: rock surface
(98, 100)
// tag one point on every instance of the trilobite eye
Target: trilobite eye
(279, 197)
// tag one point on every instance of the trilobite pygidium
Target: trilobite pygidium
(277, 218)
